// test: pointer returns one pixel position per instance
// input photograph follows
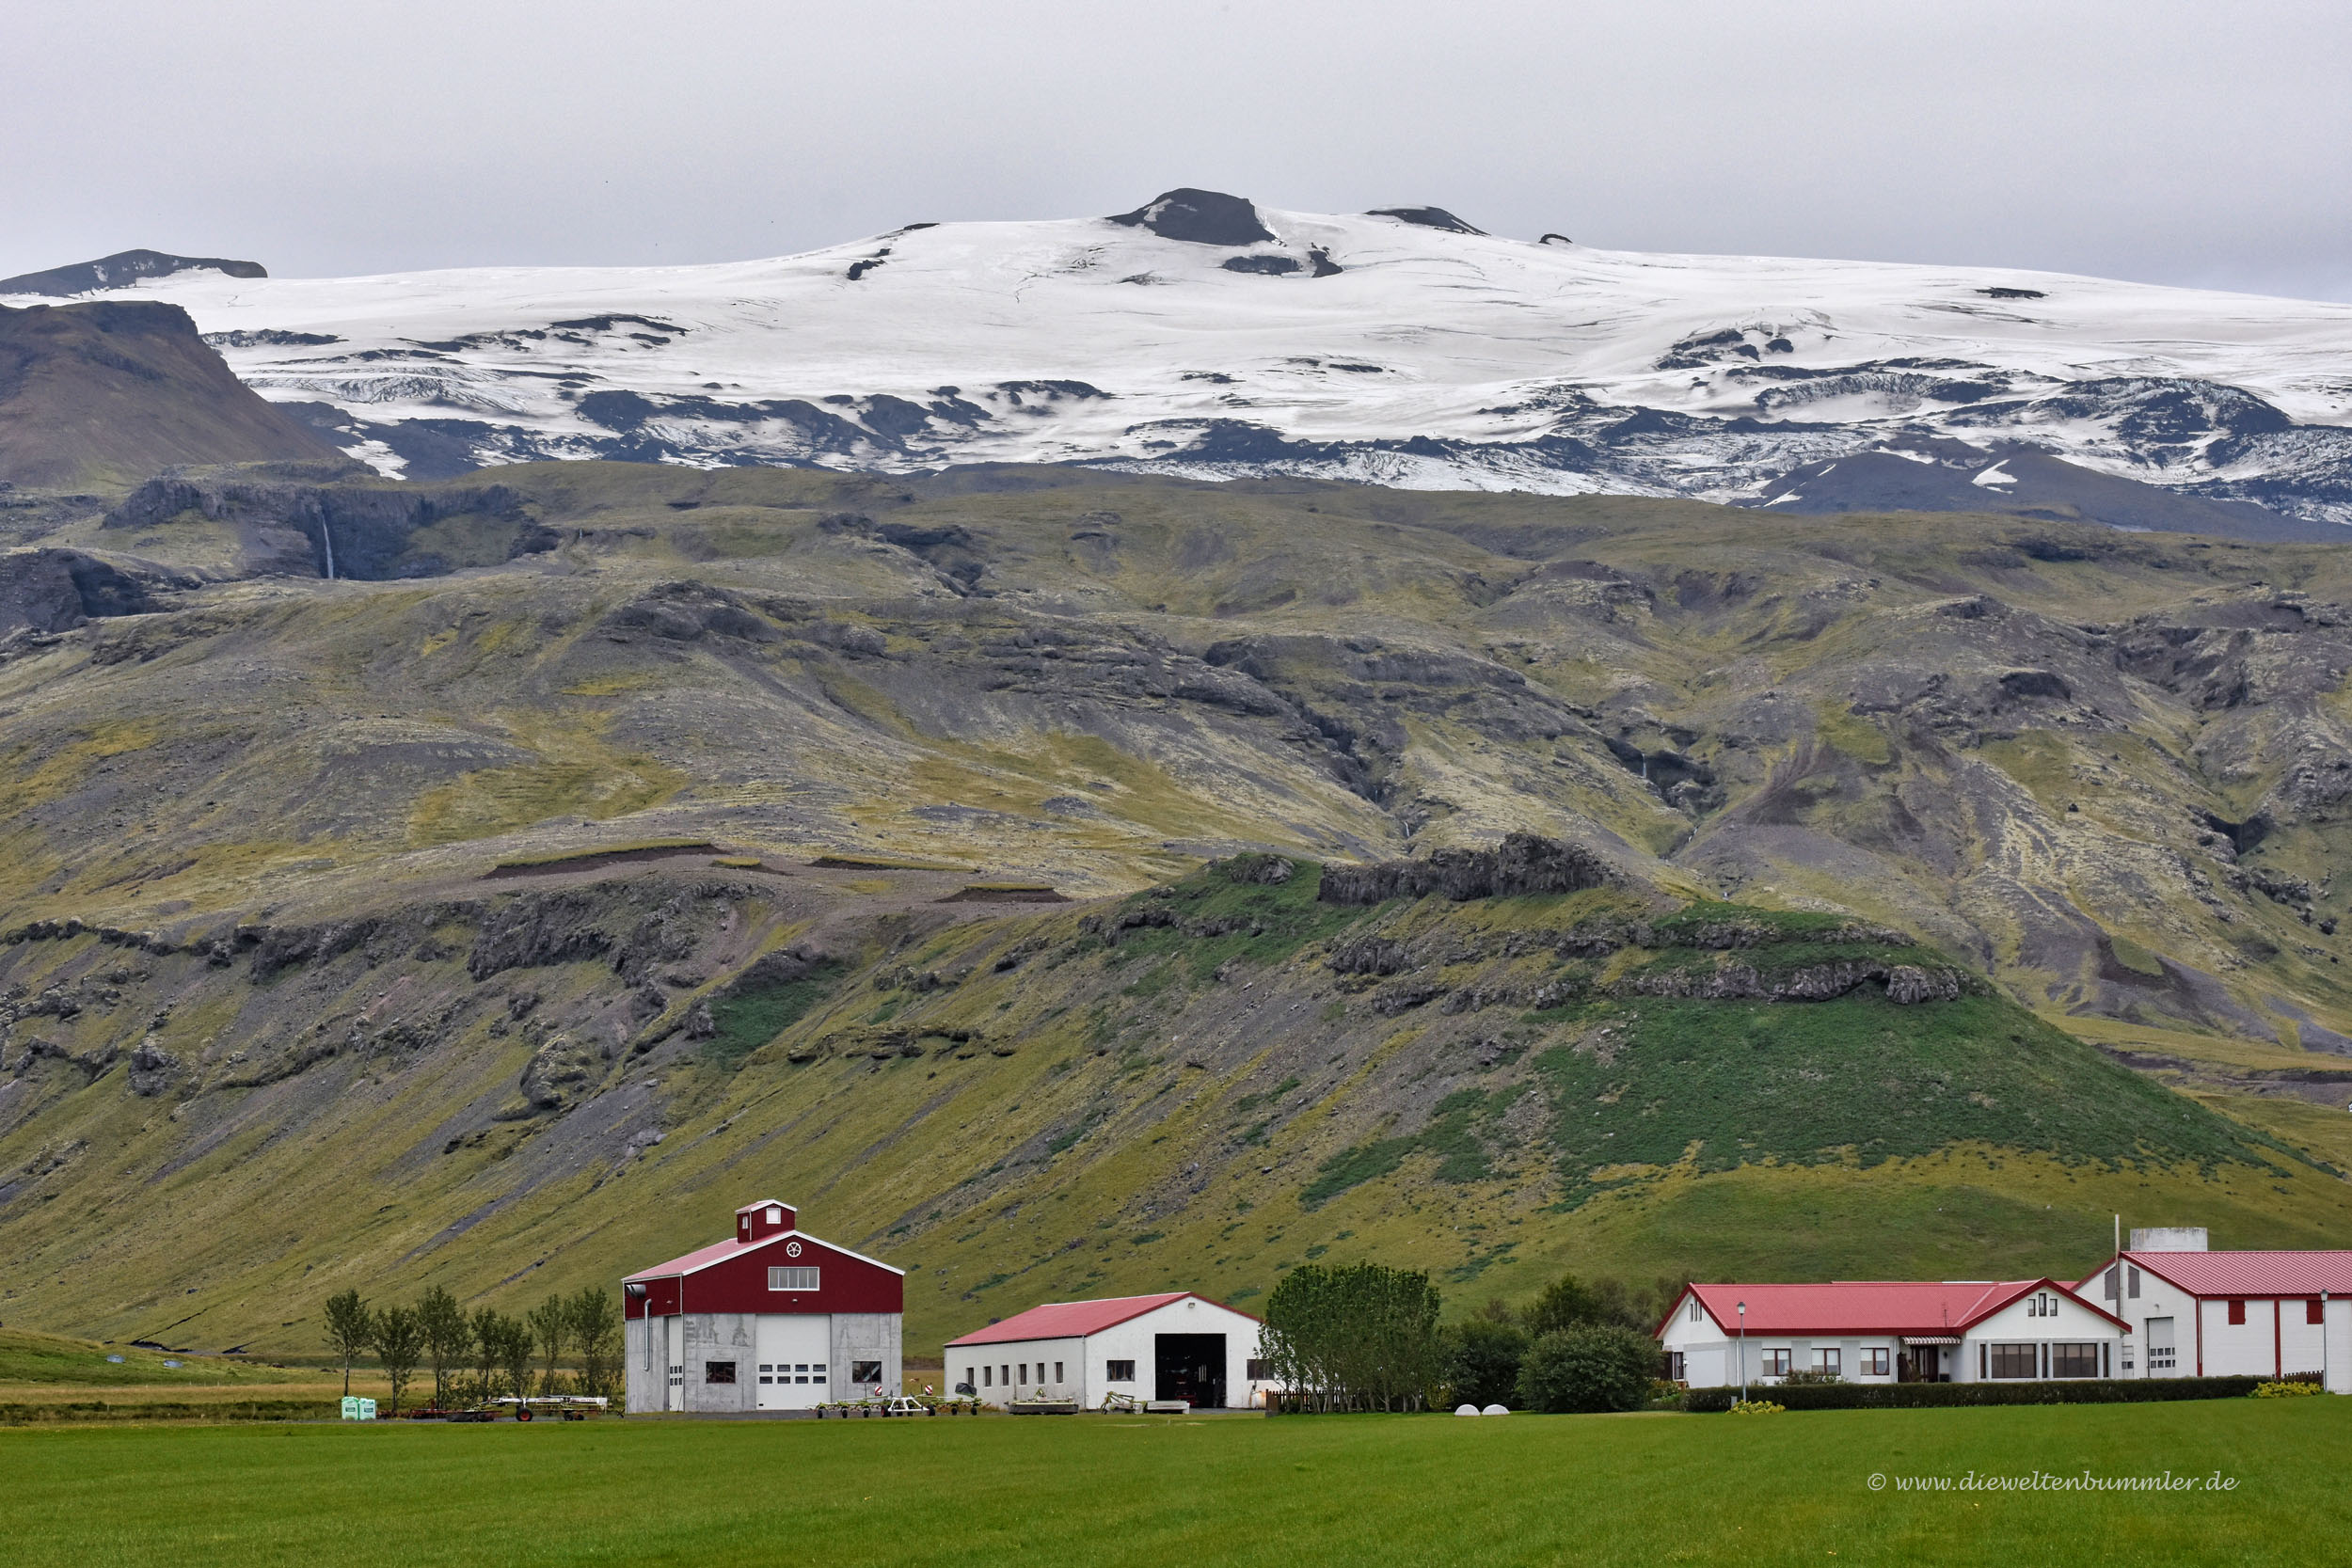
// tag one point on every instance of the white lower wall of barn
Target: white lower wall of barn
(838, 1340)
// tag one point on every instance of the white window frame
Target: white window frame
(782, 1277)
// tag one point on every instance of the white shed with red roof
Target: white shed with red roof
(1888, 1331)
(770, 1319)
(2230, 1314)
(1171, 1346)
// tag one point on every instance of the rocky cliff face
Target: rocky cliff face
(1722, 864)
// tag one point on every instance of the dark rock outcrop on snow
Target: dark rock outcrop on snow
(120, 270)
(1428, 218)
(1203, 217)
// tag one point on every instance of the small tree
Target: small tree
(1592, 1366)
(597, 1332)
(349, 1330)
(448, 1338)
(551, 1327)
(399, 1340)
(515, 1347)
(489, 1350)
(1482, 1361)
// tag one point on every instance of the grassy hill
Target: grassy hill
(277, 1020)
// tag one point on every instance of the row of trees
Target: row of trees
(1366, 1337)
(501, 1351)
(1361, 1337)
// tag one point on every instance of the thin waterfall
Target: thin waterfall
(327, 537)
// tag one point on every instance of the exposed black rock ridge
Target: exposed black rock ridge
(53, 589)
(1202, 217)
(1524, 862)
(1428, 218)
(122, 268)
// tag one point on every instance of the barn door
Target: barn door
(794, 1367)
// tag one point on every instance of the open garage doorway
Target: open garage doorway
(1191, 1367)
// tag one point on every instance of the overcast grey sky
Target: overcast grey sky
(2203, 144)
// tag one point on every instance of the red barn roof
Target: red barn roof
(1914, 1307)
(768, 1266)
(2242, 1273)
(1073, 1320)
(719, 1252)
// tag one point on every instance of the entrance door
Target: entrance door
(1191, 1367)
(2163, 1352)
(792, 1370)
(673, 1362)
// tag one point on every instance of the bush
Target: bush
(1588, 1368)
(1482, 1360)
(1758, 1407)
(2289, 1389)
(1917, 1396)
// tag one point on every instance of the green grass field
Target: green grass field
(1398, 1490)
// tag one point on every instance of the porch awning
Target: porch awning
(1931, 1338)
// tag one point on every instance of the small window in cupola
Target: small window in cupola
(775, 1214)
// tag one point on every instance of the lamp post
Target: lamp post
(1743, 1353)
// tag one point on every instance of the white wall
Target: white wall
(1135, 1340)
(2017, 1324)
(1711, 1359)
(2243, 1350)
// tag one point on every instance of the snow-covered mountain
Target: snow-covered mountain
(1203, 335)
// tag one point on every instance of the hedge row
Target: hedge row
(1917, 1396)
(169, 1410)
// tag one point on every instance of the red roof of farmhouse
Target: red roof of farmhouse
(1072, 1319)
(1925, 1306)
(2243, 1273)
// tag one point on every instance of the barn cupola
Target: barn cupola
(767, 1217)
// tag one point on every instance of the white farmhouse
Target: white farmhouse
(1882, 1331)
(1176, 1346)
(2195, 1313)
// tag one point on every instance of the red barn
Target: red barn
(771, 1319)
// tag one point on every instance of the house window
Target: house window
(2020, 1361)
(2312, 1313)
(718, 1371)
(1057, 1371)
(988, 1377)
(2114, 1285)
(2080, 1360)
(2131, 1281)
(1004, 1373)
(1775, 1364)
(1674, 1366)
(968, 1380)
(866, 1371)
(791, 1279)
(1118, 1371)
(1826, 1361)
(1872, 1361)
(1698, 1313)
(1258, 1372)
(2238, 1312)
